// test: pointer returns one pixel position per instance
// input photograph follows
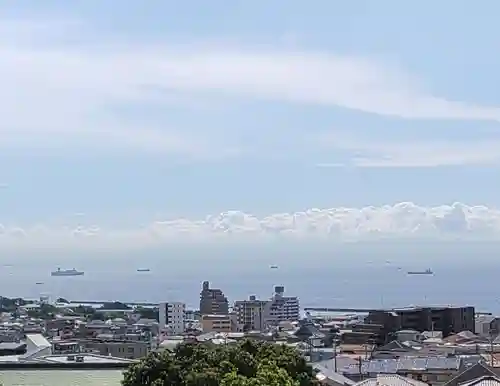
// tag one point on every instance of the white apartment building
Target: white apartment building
(173, 316)
(282, 308)
(256, 314)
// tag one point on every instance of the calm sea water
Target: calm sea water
(350, 276)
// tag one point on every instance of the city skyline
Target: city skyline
(144, 125)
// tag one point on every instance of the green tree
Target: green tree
(247, 363)
(115, 306)
(97, 316)
(45, 311)
(148, 313)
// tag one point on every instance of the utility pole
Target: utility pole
(335, 352)
(492, 339)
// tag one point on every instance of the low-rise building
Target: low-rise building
(118, 348)
(219, 323)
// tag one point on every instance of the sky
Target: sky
(140, 123)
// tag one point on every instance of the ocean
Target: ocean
(348, 275)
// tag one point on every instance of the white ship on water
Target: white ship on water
(428, 271)
(67, 272)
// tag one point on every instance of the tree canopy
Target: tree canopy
(148, 313)
(115, 306)
(247, 363)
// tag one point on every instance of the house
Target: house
(407, 335)
(432, 370)
(487, 380)
(465, 337)
(472, 373)
(12, 348)
(390, 380)
(487, 325)
(329, 377)
(393, 350)
(309, 333)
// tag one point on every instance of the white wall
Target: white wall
(177, 317)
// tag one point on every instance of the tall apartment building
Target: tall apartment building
(251, 313)
(256, 314)
(282, 308)
(213, 301)
(173, 315)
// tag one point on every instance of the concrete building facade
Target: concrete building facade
(281, 308)
(251, 313)
(254, 314)
(219, 323)
(448, 320)
(213, 301)
(173, 315)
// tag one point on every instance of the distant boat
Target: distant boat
(143, 270)
(426, 272)
(67, 272)
(274, 267)
(38, 283)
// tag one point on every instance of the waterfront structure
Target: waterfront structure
(173, 315)
(213, 301)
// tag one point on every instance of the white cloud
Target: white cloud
(53, 92)
(432, 153)
(401, 220)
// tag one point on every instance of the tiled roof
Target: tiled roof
(392, 366)
(326, 373)
(12, 346)
(390, 380)
(474, 372)
(487, 380)
(395, 345)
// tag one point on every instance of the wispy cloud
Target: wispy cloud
(52, 90)
(380, 153)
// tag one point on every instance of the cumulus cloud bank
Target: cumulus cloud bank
(403, 220)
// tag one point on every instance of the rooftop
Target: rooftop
(61, 377)
(87, 358)
(348, 365)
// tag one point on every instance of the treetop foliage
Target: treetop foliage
(247, 363)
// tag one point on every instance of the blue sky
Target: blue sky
(159, 110)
